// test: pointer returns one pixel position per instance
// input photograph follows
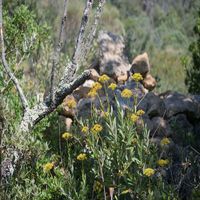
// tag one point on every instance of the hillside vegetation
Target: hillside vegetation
(112, 138)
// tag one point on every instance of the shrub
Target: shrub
(193, 72)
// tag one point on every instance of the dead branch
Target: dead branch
(6, 66)
(36, 114)
(71, 69)
(56, 56)
(93, 30)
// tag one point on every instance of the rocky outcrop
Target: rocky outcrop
(112, 60)
(170, 114)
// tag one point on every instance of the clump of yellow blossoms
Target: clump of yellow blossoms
(67, 136)
(47, 167)
(103, 78)
(97, 186)
(71, 103)
(81, 156)
(92, 93)
(165, 141)
(134, 118)
(96, 86)
(84, 129)
(126, 93)
(140, 113)
(137, 77)
(112, 86)
(163, 162)
(149, 172)
(96, 128)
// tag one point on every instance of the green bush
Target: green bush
(193, 72)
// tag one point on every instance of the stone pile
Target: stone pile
(170, 114)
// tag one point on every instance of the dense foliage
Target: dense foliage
(84, 164)
(193, 72)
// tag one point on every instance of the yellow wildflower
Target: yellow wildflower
(67, 136)
(134, 118)
(165, 141)
(112, 86)
(84, 129)
(92, 93)
(97, 186)
(163, 162)
(103, 78)
(149, 172)
(126, 93)
(137, 77)
(48, 166)
(96, 128)
(71, 103)
(140, 113)
(81, 156)
(96, 86)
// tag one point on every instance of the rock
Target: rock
(86, 106)
(149, 82)
(153, 105)
(178, 103)
(141, 65)
(121, 79)
(68, 123)
(182, 129)
(160, 127)
(94, 75)
(82, 91)
(65, 110)
(112, 59)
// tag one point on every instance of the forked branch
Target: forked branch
(56, 56)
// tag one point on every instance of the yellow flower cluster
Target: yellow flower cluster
(112, 86)
(84, 129)
(67, 136)
(48, 166)
(81, 156)
(165, 141)
(140, 113)
(137, 77)
(134, 118)
(71, 103)
(95, 87)
(97, 186)
(149, 172)
(163, 162)
(96, 128)
(103, 78)
(126, 93)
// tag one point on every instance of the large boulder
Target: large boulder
(141, 64)
(112, 60)
(178, 103)
(153, 105)
(160, 127)
(182, 129)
